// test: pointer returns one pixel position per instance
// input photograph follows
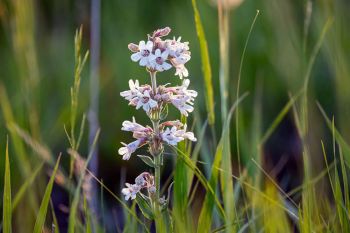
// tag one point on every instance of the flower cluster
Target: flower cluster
(170, 132)
(143, 96)
(159, 55)
(143, 181)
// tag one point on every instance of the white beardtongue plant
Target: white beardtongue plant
(157, 55)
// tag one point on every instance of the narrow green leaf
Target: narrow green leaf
(75, 202)
(180, 187)
(279, 118)
(195, 154)
(168, 221)
(18, 145)
(145, 207)
(55, 228)
(344, 145)
(205, 217)
(87, 214)
(206, 68)
(40, 219)
(147, 160)
(202, 179)
(226, 178)
(7, 206)
(24, 188)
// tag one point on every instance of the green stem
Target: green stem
(157, 175)
(158, 157)
(154, 81)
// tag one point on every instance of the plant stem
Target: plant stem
(157, 163)
(155, 122)
(158, 157)
(154, 81)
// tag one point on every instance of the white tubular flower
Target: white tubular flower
(180, 97)
(181, 71)
(139, 131)
(180, 102)
(158, 60)
(169, 136)
(144, 181)
(174, 135)
(145, 101)
(179, 54)
(187, 135)
(144, 54)
(130, 148)
(132, 126)
(131, 191)
(184, 91)
(177, 49)
(134, 90)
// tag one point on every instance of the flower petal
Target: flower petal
(135, 57)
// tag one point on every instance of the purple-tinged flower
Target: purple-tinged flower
(145, 101)
(144, 53)
(139, 131)
(182, 103)
(144, 180)
(158, 60)
(174, 135)
(130, 148)
(130, 191)
(169, 136)
(134, 90)
(132, 126)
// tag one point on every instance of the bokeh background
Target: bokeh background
(37, 65)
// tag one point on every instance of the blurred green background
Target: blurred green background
(37, 64)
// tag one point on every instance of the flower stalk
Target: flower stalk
(158, 155)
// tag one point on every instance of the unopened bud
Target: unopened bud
(152, 190)
(161, 32)
(133, 47)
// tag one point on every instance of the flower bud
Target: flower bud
(152, 190)
(161, 32)
(133, 47)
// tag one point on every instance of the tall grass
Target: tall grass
(219, 186)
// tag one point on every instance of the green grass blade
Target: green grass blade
(9, 118)
(204, 221)
(226, 176)
(195, 154)
(316, 49)
(206, 68)
(87, 213)
(238, 88)
(7, 205)
(40, 219)
(145, 207)
(24, 188)
(279, 118)
(180, 187)
(55, 228)
(343, 144)
(202, 180)
(75, 202)
(205, 217)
